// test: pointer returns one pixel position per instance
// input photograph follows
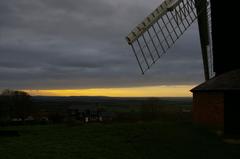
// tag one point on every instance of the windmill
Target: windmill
(162, 28)
(165, 25)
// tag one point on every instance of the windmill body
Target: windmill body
(160, 30)
(225, 32)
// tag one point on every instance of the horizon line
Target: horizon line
(143, 91)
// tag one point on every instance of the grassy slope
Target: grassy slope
(149, 140)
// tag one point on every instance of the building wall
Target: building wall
(208, 108)
(232, 110)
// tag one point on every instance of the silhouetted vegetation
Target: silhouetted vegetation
(15, 104)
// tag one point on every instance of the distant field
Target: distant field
(142, 140)
(108, 103)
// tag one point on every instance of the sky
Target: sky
(78, 47)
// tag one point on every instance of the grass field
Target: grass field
(143, 140)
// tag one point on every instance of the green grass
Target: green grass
(146, 140)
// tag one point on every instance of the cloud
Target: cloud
(46, 44)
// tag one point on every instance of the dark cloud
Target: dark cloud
(46, 44)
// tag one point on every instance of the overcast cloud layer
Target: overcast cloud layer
(66, 44)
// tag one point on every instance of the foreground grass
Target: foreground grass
(147, 140)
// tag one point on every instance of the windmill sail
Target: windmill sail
(163, 27)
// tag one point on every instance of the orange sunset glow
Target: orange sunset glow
(150, 91)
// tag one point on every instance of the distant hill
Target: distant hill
(52, 102)
(100, 99)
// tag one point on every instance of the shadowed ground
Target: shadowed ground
(142, 140)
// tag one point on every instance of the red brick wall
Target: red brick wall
(208, 108)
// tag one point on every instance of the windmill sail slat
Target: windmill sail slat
(161, 29)
(149, 20)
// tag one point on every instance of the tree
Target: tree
(16, 103)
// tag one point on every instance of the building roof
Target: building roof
(229, 81)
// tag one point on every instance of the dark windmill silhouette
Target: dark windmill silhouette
(213, 101)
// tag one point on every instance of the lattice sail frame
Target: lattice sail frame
(161, 29)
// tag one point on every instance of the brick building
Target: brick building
(217, 102)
